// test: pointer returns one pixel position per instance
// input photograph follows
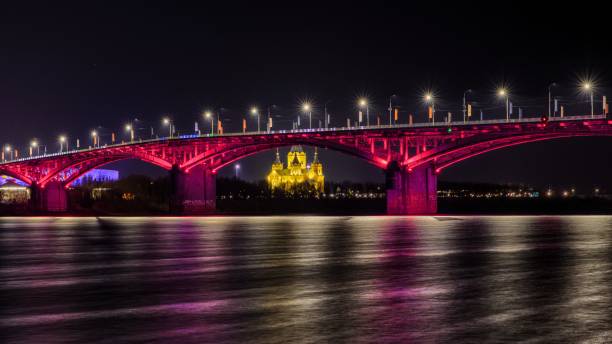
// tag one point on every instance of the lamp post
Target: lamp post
(363, 103)
(94, 138)
(502, 92)
(391, 108)
(167, 121)
(255, 112)
(34, 145)
(429, 99)
(464, 104)
(208, 115)
(236, 170)
(327, 117)
(129, 128)
(9, 150)
(588, 87)
(62, 139)
(550, 98)
(307, 108)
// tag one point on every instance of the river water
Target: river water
(301, 279)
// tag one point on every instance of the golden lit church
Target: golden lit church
(297, 171)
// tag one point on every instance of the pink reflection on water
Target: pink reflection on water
(404, 301)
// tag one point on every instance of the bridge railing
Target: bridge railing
(313, 130)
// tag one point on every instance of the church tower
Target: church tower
(297, 152)
(278, 164)
(297, 171)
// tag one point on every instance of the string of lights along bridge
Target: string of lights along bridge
(411, 154)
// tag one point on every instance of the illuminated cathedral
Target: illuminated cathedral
(297, 171)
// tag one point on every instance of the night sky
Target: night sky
(70, 69)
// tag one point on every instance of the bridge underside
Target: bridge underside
(409, 192)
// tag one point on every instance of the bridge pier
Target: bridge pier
(193, 192)
(52, 198)
(411, 192)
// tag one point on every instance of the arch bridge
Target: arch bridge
(412, 156)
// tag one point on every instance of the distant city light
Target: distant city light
(306, 106)
(62, 139)
(428, 97)
(502, 92)
(128, 127)
(363, 102)
(253, 111)
(207, 114)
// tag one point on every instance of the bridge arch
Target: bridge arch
(449, 156)
(16, 175)
(219, 159)
(82, 166)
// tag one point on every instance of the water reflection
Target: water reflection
(402, 297)
(306, 279)
(470, 263)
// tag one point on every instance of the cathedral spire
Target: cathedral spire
(295, 161)
(278, 161)
(316, 156)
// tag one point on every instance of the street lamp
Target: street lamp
(550, 97)
(503, 92)
(94, 137)
(8, 149)
(307, 108)
(62, 139)
(34, 145)
(464, 103)
(390, 107)
(255, 112)
(327, 116)
(363, 103)
(130, 128)
(429, 99)
(236, 169)
(587, 86)
(208, 115)
(167, 121)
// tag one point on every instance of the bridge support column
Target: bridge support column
(193, 192)
(413, 192)
(52, 198)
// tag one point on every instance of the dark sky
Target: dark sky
(69, 69)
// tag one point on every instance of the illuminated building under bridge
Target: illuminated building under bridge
(97, 176)
(297, 173)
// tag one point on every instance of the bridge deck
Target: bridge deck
(315, 130)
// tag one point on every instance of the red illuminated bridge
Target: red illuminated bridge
(411, 155)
